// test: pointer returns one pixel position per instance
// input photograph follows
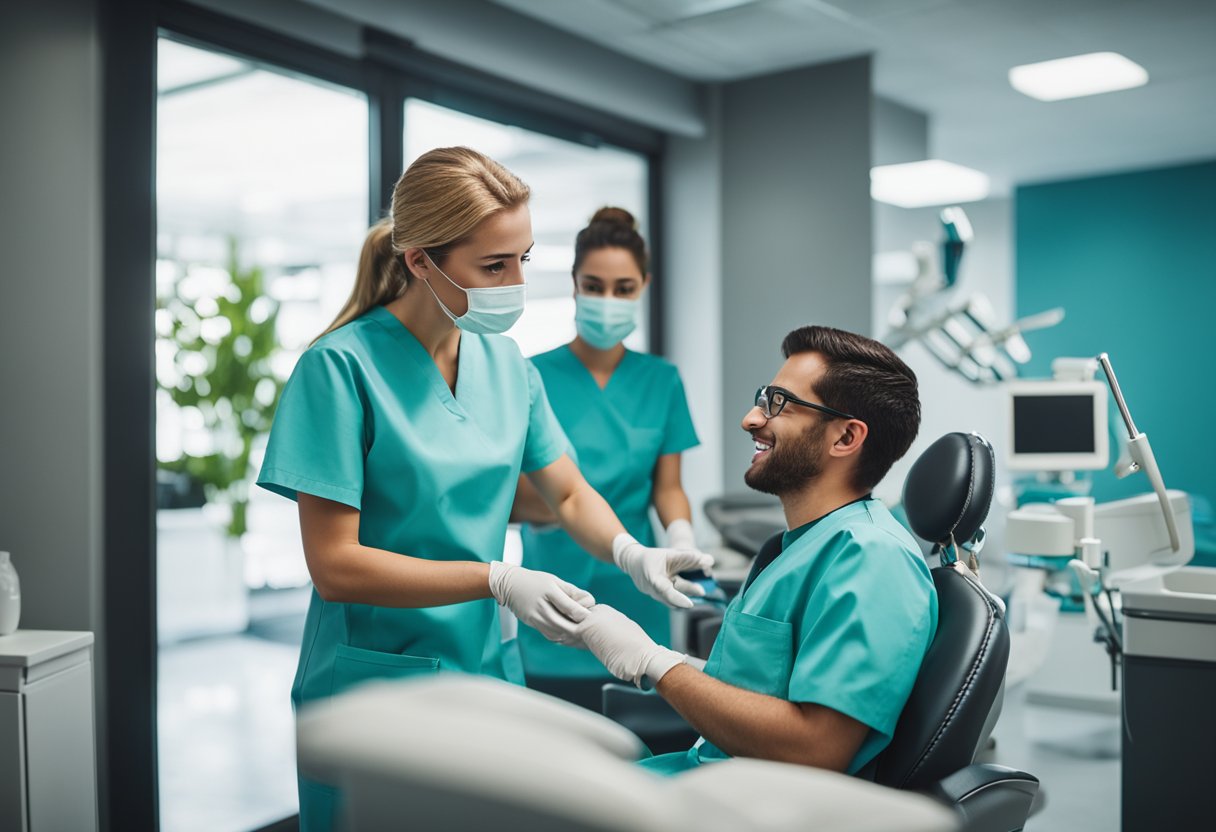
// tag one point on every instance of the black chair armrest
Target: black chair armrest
(707, 633)
(648, 715)
(686, 629)
(991, 798)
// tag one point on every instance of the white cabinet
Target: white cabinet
(47, 775)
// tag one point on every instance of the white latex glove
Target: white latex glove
(656, 571)
(680, 536)
(541, 600)
(624, 648)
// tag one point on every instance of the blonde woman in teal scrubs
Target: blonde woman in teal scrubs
(402, 434)
(627, 417)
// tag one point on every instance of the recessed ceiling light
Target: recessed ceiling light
(931, 182)
(1080, 75)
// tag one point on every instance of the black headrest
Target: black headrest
(949, 490)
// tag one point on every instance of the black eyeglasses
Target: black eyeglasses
(772, 399)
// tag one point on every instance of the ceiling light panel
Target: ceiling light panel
(1091, 74)
(675, 11)
(931, 182)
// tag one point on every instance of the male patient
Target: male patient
(819, 650)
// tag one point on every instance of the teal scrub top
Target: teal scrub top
(842, 618)
(618, 434)
(367, 420)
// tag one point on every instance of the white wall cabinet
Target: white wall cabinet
(47, 764)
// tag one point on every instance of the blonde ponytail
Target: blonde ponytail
(381, 276)
(437, 204)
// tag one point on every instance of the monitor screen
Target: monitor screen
(1053, 424)
(1057, 426)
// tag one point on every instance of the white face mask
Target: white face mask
(491, 310)
(604, 322)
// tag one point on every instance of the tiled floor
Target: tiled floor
(226, 733)
(1074, 754)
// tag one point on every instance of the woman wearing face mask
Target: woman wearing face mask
(402, 434)
(627, 417)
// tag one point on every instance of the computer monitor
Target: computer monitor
(1058, 426)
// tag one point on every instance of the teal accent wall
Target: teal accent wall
(1132, 259)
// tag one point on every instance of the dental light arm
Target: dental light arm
(959, 329)
(1141, 454)
(958, 233)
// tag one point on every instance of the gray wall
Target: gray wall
(795, 241)
(691, 273)
(899, 134)
(50, 322)
(50, 369)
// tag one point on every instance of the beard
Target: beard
(791, 465)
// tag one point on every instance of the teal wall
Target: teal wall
(1132, 259)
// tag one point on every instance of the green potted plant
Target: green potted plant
(217, 326)
(224, 341)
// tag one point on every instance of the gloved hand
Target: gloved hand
(541, 600)
(656, 571)
(624, 648)
(680, 536)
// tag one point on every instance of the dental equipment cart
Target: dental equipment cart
(1169, 701)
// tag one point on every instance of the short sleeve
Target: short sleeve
(678, 434)
(318, 439)
(871, 619)
(546, 441)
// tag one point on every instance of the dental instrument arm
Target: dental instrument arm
(1142, 454)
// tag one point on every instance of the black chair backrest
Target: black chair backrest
(942, 723)
(946, 496)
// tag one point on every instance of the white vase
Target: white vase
(10, 596)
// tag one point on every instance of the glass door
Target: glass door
(261, 209)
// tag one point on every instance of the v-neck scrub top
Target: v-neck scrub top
(367, 420)
(618, 434)
(843, 618)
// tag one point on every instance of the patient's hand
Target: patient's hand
(623, 646)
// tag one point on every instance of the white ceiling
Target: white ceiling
(950, 59)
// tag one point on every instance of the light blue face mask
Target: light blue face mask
(492, 309)
(604, 322)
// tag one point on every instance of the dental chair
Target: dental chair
(956, 698)
(466, 753)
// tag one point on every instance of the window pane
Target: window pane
(569, 182)
(261, 210)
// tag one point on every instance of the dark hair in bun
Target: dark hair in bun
(611, 228)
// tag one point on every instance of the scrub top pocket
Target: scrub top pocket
(353, 666)
(754, 653)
